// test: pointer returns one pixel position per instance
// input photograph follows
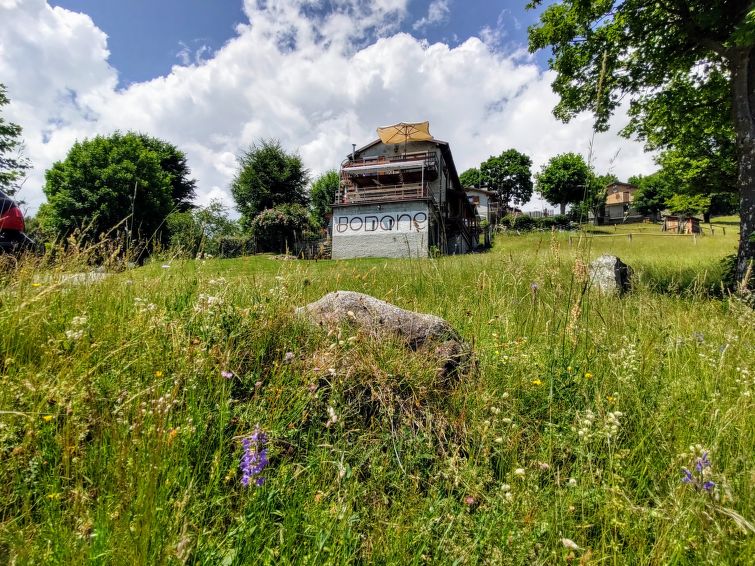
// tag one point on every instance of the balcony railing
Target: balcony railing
(619, 198)
(350, 194)
(403, 161)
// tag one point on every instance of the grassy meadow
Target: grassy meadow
(124, 404)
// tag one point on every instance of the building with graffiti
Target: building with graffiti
(400, 196)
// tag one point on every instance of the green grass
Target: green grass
(122, 445)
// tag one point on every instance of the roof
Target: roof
(483, 191)
(620, 184)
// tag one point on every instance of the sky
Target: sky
(214, 76)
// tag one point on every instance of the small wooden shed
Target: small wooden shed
(682, 224)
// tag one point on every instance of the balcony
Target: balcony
(385, 165)
(353, 194)
(619, 198)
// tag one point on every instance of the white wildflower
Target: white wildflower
(569, 543)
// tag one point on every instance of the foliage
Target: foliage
(595, 197)
(200, 230)
(115, 183)
(470, 178)
(173, 162)
(277, 229)
(653, 192)
(676, 62)
(688, 204)
(564, 180)
(508, 175)
(235, 246)
(322, 195)
(267, 176)
(13, 164)
(525, 223)
(126, 401)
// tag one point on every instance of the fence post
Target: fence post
(629, 236)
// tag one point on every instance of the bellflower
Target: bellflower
(254, 458)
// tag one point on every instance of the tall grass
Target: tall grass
(120, 438)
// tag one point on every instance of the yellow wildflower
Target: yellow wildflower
(36, 284)
(588, 375)
(47, 418)
(537, 382)
(158, 373)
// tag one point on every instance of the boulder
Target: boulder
(611, 275)
(377, 318)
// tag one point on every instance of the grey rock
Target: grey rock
(611, 275)
(377, 318)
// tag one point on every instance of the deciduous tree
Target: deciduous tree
(652, 193)
(607, 51)
(470, 178)
(267, 176)
(112, 181)
(322, 195)
(509, 176)
(13, 164)
(564, 179)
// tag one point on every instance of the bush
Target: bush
(235, 246)
(277, 229)
(185, 234)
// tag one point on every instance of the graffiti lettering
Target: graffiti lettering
(396, 222)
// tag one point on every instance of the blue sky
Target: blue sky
(147, 37)
(214, 76)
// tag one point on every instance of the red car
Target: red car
(13, 240)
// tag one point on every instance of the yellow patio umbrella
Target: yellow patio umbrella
(405, 132)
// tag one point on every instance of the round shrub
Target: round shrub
(277, 229)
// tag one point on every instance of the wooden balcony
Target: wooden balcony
(351, 194)
(425, 159)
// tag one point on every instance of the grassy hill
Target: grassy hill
(124, 405)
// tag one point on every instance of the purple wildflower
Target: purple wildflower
(226, 374)
(254, 459)
(697, 477)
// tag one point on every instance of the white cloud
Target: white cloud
(437, 13)
(318, 81)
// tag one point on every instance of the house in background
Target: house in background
(487, 209)
(400, 196)
(619, 197)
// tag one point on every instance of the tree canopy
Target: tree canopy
(652, 193)
(116, 180)
(267, 176)
(13, 164)
(672, 61)
(470, 178)
(173, 162)
(509, 176)
(564, 179)
(322, 195)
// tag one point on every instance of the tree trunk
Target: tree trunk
(563, 208)
(743, 103)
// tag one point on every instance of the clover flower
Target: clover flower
(254, 458)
